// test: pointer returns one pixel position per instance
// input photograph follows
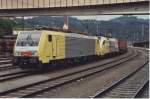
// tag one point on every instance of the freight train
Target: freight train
(42, 47)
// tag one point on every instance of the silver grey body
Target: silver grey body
(78, 47)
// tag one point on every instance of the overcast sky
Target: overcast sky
(101, 17)
(107, 17)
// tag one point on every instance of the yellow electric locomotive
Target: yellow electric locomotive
(39, 48)
(43, 47)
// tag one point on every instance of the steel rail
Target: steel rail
(15, 75)
(5, 62)
(10, 66)
(82, 76)
(141, 89)
(18, 72)
(4, 58)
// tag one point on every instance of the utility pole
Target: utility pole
(134, 37)
(142, 32)
(23, 23)
(66, 23)
(137, 36)
(97, 28)
(99, 24)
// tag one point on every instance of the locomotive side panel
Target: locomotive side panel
(113, 45)
(51, 46)
(104, 46)
(77, 47)
(58, 44)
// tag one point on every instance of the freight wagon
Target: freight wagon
(122, 46)
(43, 47)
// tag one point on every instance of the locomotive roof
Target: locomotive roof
(112, 39)
(61, 33)
(71, 34)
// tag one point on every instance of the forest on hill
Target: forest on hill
(125, 27)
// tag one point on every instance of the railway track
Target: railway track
(5, 61)
(144, 92)
(6, 64)
(35, 88)
(130, 86)
(4, 58)
(140, 93)
(15, 75)
(7, 67)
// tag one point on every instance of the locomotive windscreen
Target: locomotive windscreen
(28, 39)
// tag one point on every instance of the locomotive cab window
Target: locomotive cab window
(49, 38)
(28, 39)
